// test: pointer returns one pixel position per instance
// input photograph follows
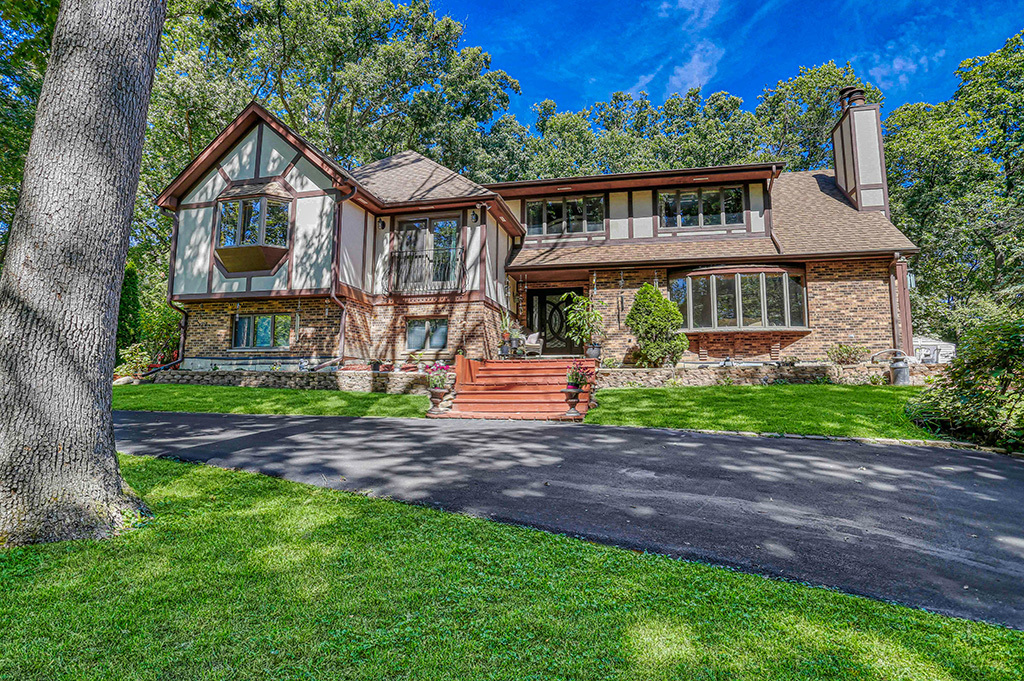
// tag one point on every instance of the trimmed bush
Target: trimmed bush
(980, 396)
(840, 353)
(657, 324)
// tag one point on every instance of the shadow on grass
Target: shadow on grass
(247, 576)
(234, 400)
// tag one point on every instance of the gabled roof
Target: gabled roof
(250, 116)
(810, 218)
(410, 176)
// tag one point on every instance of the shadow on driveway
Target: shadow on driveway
(934, 528)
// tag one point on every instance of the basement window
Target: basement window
(426, 334)
(262, 331)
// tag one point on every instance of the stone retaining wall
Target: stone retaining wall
(857, 374)
(397, 382)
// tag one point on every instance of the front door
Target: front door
(545, 312)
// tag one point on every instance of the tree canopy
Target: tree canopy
(364, 79)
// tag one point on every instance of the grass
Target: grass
(840, 410)
(233, 400)
(245, 576)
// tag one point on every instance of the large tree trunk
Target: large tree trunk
(61, 281)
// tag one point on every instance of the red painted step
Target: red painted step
(517, 389)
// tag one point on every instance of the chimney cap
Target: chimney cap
(856, 96)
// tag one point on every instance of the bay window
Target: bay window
(257, 221)
(565, 216)
(704, 207)
(747, 299)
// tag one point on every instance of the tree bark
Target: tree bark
(61, 282)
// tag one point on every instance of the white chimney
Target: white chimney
(858, 153)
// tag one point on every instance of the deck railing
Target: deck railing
(438, 270)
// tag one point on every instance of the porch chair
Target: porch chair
(534, 344)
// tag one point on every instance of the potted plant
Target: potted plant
(438, 386)
(375, 364)
(516, 337)
(583, 323)
(577, 378)
(505, 326)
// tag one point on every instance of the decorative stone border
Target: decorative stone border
(695, 376)
(395, 382)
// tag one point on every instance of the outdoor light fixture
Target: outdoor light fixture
(474, 217)
(381, 224)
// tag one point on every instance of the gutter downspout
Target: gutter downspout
(183, 324)
(335, 278)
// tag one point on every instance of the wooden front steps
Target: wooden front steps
(513, 389)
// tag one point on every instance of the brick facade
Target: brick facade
(847, 301)
(371, 331)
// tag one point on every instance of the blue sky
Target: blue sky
(578, 53)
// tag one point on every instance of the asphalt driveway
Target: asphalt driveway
(935, 528)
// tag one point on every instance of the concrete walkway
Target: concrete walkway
(935, 528)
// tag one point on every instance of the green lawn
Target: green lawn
(852, 411)
(245, 576)
(231, 400)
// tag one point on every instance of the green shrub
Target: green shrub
(980, 395)
(134, 360)
(840, 353)
(657, 324)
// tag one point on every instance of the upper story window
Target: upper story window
(427, 255)
(752, 299)
(565, 216)
(258, 221)
(704, 207)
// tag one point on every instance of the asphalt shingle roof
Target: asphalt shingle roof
(810, 216)
(410, 176)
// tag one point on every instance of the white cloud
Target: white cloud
(699, 13)
(897, 63)
(643, 81)
(698, 70)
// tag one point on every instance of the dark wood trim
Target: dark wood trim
(738, 269)
(290, 293)
(259, 151)
(356, 294)
(254, 273)
(607, 216)
(655, 216)
(213, 247)
(362, 252)
(693, 262)
(198, 204)
(314, 193)
(674, 236)
(174, 253)
(223, 173)
(291, 164)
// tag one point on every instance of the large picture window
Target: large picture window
(426, 334)
(755, 300)
(259, 221)
(705, 207)
(576, 215)
(262, 331)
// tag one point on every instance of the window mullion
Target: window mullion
(700, 208)
(689, 302)
(785, 298)
(764, 299)
(263, 221)
(739, 300)
(714, 301)
(721, 206)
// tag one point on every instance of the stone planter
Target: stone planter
(436, 395)
(572, 398)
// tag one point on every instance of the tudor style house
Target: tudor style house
(282, 258)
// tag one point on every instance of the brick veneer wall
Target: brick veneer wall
(848, 302)
(370, 331)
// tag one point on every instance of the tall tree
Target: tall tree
(61, 282)
(797, 115)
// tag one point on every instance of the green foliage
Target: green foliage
(583, 323)
(657, 324)
(128, 311)
(134, 361)
(841, 353)
(981, 394)
(797, 115)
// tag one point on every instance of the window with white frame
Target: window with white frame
(426, 333)
(704, 207)
(746, 299)
(262, 331)
(575, 215)
(259, 221)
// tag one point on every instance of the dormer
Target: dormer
(858, 152)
